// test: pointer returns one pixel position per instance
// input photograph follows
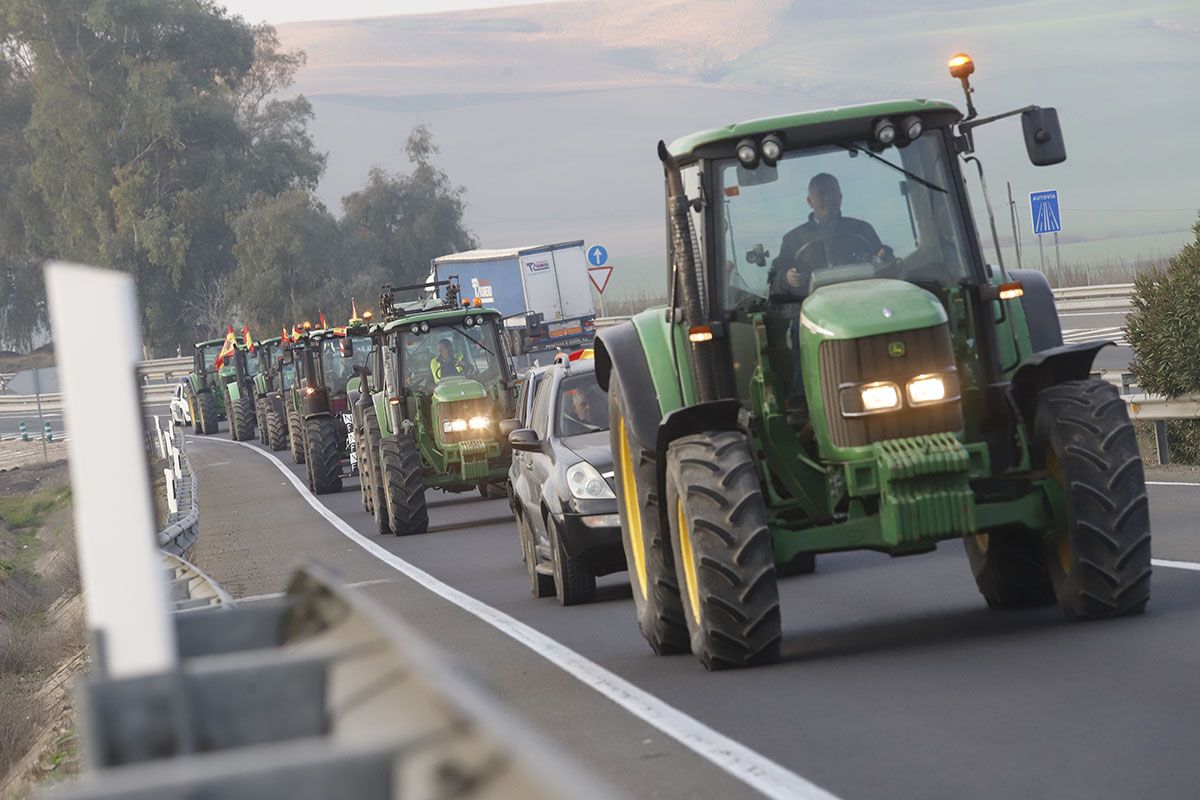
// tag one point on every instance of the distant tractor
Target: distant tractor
(823, 382)
(441, 381)
(271, 380)
(205, 396)
(237, 375)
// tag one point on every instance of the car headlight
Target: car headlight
(587, 484)
(454, 425)
(479, 423)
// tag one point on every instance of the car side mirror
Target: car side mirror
(1043, 137)
(507, 426)
(526, 440)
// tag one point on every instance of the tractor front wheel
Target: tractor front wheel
(277, 435)
(241, 420)
(296, 436)
(400, 463)
(323, 455)
(261, 407)
(724, 560)
(647, 553)
(209, 413)
(1099, 564)
(1009, 569)
(371, 471)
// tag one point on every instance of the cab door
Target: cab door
(525, 486)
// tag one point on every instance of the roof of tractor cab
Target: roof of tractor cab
(437, 316)
(686, 146)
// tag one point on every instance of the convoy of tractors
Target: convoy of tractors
(821, 383)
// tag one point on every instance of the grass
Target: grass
(23, 512)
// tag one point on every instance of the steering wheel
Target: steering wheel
(853, 238)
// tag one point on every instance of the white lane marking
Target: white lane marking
(1188, 565)
(753, 769)
(1092, 313)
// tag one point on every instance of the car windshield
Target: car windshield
(582, 406)
(838, 212)
(451, 351)
(339, 369)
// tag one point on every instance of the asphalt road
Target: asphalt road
(1082, 326)
(896, 680)
(10, 421)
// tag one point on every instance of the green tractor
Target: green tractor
(237, 376)
(873, 384)
(325, 361)
(205, 399)
(272, 379)
(440, 382)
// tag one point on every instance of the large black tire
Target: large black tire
(540, 584)
(241, 419)
(277, 435)
(372, 474)
(1100, 566)
(360, 456)
(724, 559)
(296, 436)
(261, 407)
(574, 583)
(400, 465)
(209, 414)
(647, 552)
(323, 454)
(1009, 569)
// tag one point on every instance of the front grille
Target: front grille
(868, 359)
(465, 409)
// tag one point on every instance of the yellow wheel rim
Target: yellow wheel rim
(1064, 543)
(686, 555)
(981, 541)
(633, 514)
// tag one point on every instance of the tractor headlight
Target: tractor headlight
(586, 483)
(454, 425)
(424, 327)
(747, 153)
(885, 131)
(928, 389)
(880, 396)
(912, 126)
(479, 423)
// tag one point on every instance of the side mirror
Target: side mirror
(525, 439)
(507, 426)
(1043, 137)
(347, 347)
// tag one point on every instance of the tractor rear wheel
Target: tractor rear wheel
(647, 553)
(241, 420)
(1009, 569)
(400, 465)
(1100, 563)
(574, 583)
(323, 455)
(296, 436)
(208, 413)
(360, 460)
(372, 472)
(260, 420)
(277, 435)
(724, 558)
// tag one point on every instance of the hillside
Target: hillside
(548, 114)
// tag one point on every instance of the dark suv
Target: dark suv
(562, 486)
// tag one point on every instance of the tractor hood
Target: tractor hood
(868, 308)
(452, 389)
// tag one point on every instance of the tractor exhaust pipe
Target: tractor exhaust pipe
(685, 273)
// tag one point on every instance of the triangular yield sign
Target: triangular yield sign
(599, 277)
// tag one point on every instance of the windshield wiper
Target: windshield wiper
(896, 167)
(473, 339)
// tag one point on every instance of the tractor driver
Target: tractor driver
(825, 240)
(447, 362)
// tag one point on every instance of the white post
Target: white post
(172, 492)
(123, 580)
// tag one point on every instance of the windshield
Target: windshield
(582, 406)
(451, 351)
(838, 212)
(339, 369)
(209, 353)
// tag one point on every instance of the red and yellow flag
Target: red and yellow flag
(353, 309)
(227, 349)
(323, 325)
(283, 334)
(247, 339)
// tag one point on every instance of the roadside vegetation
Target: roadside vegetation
(163, 139)
(41, 627)
(1163, 330)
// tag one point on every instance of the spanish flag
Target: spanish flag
(247, 339)
(283, 334)
(323, 324)
(227, 349)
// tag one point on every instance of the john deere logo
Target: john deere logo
(896, 349)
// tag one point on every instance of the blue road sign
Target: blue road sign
(1043, 206)
(597, 255)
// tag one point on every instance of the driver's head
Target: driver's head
(581, 404)
(445, 348)
(825, 197)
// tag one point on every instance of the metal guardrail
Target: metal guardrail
(155, 394)
(183, 523)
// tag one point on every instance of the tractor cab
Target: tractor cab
(857, 375)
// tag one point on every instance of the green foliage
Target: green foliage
(1164, 326)
(21, 512)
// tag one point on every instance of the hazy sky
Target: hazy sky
(276, 11)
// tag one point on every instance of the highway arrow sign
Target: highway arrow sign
(597, 255)
(599, 277)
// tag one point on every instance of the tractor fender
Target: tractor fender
(715, 416)
(620, 349)
(1041, 315)
(276, 401)
(234, 390)
(315, 404)
(1071, 362)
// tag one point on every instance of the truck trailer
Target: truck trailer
(541, 291)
